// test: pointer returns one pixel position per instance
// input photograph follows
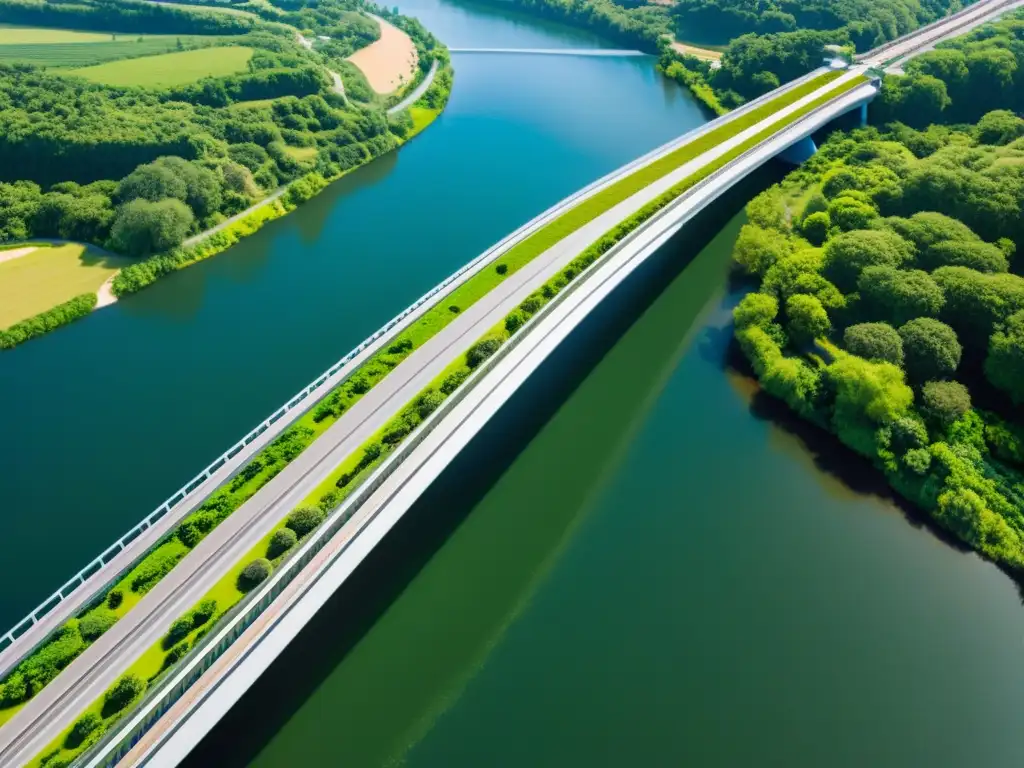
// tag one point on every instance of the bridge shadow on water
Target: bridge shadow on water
(354, 609)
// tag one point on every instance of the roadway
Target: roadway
(413, 470)
(86, 679)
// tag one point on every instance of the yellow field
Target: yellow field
(11, 35)
(170, 68)
(50, 276)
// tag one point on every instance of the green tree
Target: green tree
(1004, 366)
(898, 295)
(757, 309)
(945, 401)
(848, 254)
(975, 302)
(849, 213)
(142, 227)
(757, 249)
(807, 319)
(931, 349)
(1001, 126)
(878, 342)
(977, 255)
(815, 227)
(151, 182)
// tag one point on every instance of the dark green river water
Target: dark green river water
(669, 572)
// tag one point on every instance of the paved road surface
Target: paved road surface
(101, 664)
(417, 92)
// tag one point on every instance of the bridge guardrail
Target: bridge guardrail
(180, 497)
(116, 744)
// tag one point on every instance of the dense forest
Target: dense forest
(889, 312)
(962, 79)
(140, 169)
(868, 22)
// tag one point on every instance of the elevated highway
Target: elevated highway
(186, 703)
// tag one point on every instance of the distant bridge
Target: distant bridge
(554, 51)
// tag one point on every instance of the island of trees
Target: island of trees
(889, 308)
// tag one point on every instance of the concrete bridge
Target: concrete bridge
(178, 710)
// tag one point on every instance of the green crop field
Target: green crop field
(21, 35)
(84, 54)
(170, 68)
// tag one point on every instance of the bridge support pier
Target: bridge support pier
(863, 114)
(800, 152)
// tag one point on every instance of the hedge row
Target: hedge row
(51, 319)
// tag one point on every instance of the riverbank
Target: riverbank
(431, 97)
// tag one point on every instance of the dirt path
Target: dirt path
(15, 253)
(390, 61)
(105, 295)
(706, 54)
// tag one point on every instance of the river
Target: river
(106, 418)
(669, 572)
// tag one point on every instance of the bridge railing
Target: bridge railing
(116, 744)
(179, 501)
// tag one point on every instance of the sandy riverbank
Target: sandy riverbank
(390, 61)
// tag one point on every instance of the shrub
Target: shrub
(918, 460)
(156, 565)
(95, 623)
(874, 341)
(203, 612)
(44, 322)
(358, 385)
(303, 520)
(501, 269)
(931, 349)
(945, 401)
(282, 540)
(482, 350)
(123, 693)
(397, 433)
(514, 321)
(531, 304)
(175, 654)
(850, 253)
(254, 574)
(453, 380)
(429, 403)
(84, 726)
(115, 598)
(404, 345)
(454, 309)
(13, 691)
(178, 631)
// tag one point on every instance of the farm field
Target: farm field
(47, 277)
(211, 6)
(84, 54)
(170, 68)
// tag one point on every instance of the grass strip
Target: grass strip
(285, 448)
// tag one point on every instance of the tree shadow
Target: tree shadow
(855, 473)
